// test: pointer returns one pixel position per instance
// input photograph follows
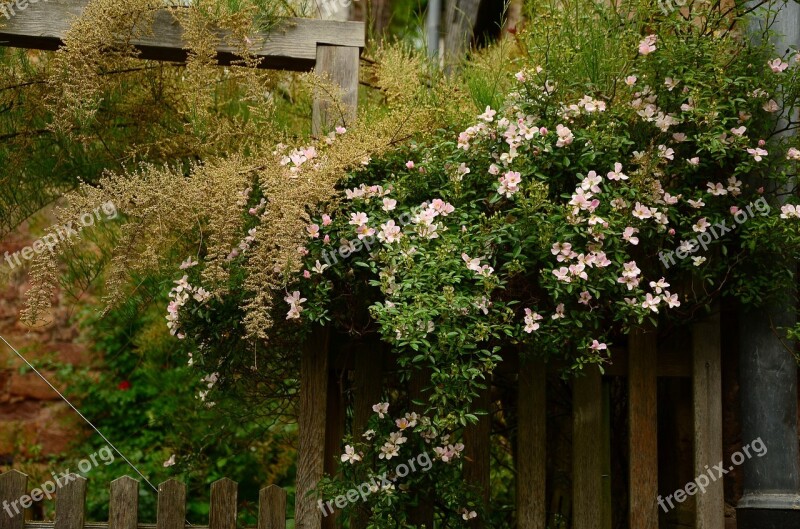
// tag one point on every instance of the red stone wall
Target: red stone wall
(34, 421)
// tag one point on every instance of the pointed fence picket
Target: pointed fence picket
(70, 500)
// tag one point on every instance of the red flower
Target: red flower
(124, 385)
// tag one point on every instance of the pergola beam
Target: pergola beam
(292, 45)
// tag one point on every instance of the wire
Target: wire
(79, 413)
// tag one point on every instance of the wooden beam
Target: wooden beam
(311, 425)
(587, 457)
(707, 397)
(531, 442)
(339, 64)
(292, 45)
(643, 428)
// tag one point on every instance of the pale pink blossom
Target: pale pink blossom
(651, 302)
(381, 408)
(716, 189)
(488, 115)
(509, 183)
(531, 321)
(757, 153)
(389, 204)
(591, 182)
(617, 173)
(770, 106)
(777, 65)
(598, 346)
(628, 235)
(350, 455)
(701, 225)
(648, 45)
(641, 211)
(389, 232)
(789, 211)
(585, 297)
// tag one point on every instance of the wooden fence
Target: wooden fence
(124, 501)
(331, 370)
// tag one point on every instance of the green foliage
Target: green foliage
(144, 398)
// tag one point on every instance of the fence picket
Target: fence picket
(643, 428)
(123, 509)
(70, 503)
(224, 493)
(13, 485)
(587, 456)
(272, 508)
(171, 505)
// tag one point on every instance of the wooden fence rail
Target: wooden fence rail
(124, 505)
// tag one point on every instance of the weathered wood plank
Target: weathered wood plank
(171, 510)
(587, 457)
(643, 428)
(340, 65)
(311, 425)
(531, 441)
(334, 430)
(272, 508)
(222, 514)
(477, 444)
(13, 485)
(368, 381)
(422, 513)
(70, 503)
(123, 509)
(707, 398)
(290, 46)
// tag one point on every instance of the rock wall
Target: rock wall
(34, 421)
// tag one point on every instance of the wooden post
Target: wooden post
(222, 510)
(13, 485)
(71, 504)
(171, 510)
(643, 428)
(311, 425)
(531, 457)
(707, 398)
(339, 64)
(272, 508)
(123, 509)
(587, 456)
